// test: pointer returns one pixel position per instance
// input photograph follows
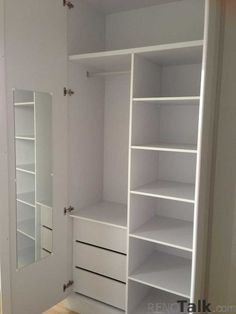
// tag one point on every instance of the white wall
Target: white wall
(222, 271)
(4, 213)
(86, 29)
(165, 23)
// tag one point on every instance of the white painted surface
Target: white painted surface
(106, 236)
(109, 213)
(46, 239)
(151, 300)
(191, 149)
(77, 302)
(208, 108)
(190, 100)
(221, 268)
(46, 216)
(167, 231)
(31, 65)
(163, 54)
(100, 288)
(100, 261)
(85, 29)
(169, 190)
(166, 272)
(112, 6)
(86, 115)
(116, 130)
(138, 28)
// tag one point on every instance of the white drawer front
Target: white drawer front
(46, 216)
(101, 261)
(46, 239)
(99, 288)
(102, 235)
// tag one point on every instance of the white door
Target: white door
(36, 60)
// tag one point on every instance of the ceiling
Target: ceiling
(113, 6)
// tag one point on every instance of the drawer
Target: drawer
(44, 253)
(46, 216)
(46, 239)
(100, 261)
(102, 235)
(99, 288)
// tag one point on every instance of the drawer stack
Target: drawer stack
(46, 229)
(100, 249)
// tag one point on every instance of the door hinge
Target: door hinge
(68, 91)
(68, 210)
(68, 285)
(69, 4)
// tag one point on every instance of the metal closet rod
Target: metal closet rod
(94, 74)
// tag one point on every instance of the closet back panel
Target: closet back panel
(86, 29)
(138, 28)
(99, 128)
(86, 129)
(116, 130)
(90, 30)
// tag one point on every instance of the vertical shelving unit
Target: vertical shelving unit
(163, 151)
(162, 175)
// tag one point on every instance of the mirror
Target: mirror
(33, 155)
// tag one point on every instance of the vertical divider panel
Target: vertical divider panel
(208, 101)
(35, 183)
(147, 82)
(129, 170)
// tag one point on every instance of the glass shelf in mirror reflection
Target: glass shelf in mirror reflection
(34, 179)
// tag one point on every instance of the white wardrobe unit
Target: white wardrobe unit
(133, 92)
(135, 139)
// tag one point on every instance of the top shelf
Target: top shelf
(109, 213)
(168, 54)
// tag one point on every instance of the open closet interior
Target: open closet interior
(136, 72)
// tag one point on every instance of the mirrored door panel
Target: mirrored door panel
(34, 175)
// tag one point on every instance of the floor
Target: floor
(59, 309)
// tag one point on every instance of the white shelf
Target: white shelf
(168, 190)
(155, 297)
(28, 168)
(177, 53)
(27, 198)
(179, 148)
(46, 203)
(24, 104)
(105, 61)
(25, 137)
(189, 100)
(104, 212)
(166, 272)
(27, 228)
(167, 231)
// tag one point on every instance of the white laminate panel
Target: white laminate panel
(100, 288)
(102, 235)
(100, 261)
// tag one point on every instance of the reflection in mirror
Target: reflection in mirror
(33, 149)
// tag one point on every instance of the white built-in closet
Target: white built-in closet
(135, 140)
(133, 92)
